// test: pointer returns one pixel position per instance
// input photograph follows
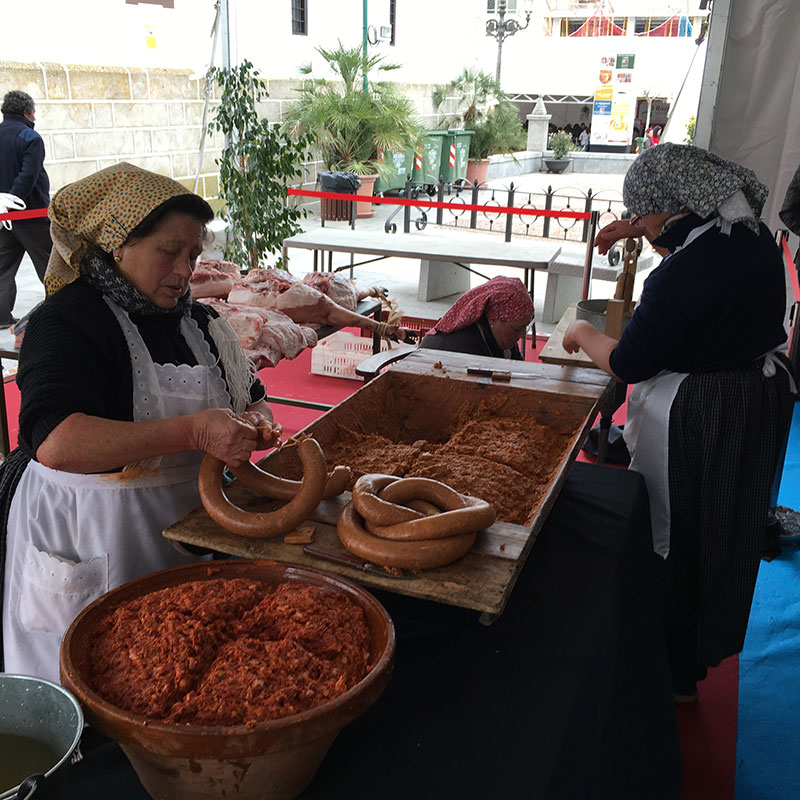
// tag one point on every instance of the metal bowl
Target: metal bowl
(43, 711)
(271, 760)
(594, 312)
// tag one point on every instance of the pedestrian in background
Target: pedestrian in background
(22, 174)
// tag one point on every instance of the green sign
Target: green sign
(625, 60)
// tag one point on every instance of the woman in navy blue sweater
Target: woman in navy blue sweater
(712, 401)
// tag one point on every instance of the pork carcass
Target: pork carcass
(266, 335)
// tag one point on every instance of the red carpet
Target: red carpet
(707, 728)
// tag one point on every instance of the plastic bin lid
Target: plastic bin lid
(435, 133)
(461, 132)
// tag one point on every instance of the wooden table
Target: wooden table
(554, 353)
(483, 579)
(457, 247)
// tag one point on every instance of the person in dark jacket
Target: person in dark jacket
(713, 397)
(488, 320)
(23, 175)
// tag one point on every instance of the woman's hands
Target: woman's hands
(583, 336)
(268, 433)
(225, 435)
(614, 231)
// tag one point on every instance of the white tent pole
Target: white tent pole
(717, 36)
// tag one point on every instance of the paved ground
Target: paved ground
(399, 276)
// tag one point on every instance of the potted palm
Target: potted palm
(484, 108)
(500, 132)
(561, 144)
(353, 119)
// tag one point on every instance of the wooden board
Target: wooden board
(554, 353)
(432, 383)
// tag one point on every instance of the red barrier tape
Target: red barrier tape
(404, 201)
(787, 256)
(34, 212)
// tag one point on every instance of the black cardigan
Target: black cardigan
(74, 359)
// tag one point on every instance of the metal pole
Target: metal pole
(364, 43)
(226, 35)
(501, 13)
(587, 266)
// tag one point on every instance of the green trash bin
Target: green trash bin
(397, 166)
(455, 155)
(639, 140)
(427, 159)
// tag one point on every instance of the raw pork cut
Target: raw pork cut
(339, 289)
(213, 278)
(266, 335)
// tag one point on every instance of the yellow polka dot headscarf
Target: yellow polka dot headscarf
(100, 211)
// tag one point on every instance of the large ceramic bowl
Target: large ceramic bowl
(47, 715)
(269, 761)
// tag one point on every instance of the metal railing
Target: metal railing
(607, 203)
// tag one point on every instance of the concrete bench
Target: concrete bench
(565, 279)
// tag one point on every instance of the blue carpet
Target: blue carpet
(768, 743)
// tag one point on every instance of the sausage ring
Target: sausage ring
(371, 506)
(404, 555)
(411, 522)
(265, 525)
(269, 485)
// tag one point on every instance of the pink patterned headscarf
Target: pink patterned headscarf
(501, 298)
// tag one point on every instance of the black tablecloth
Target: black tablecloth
(567, 695)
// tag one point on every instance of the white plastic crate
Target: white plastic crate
(339, 354)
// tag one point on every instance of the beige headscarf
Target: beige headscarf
(100, 211)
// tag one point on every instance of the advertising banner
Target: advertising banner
(614, 104)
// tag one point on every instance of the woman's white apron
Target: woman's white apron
(646, 431)
(72, 537)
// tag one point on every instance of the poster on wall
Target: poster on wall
(614, 104)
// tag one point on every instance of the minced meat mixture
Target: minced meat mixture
(229, 651)
(508, 461)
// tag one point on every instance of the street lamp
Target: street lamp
(501, 28)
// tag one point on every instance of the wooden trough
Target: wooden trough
(429, 406)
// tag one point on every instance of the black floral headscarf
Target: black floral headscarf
(670, 177)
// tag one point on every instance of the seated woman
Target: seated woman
(488, 320)
(125, 384)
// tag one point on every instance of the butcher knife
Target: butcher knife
(500, 374)
(350, 560)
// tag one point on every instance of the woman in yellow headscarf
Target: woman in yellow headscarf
(125, 383)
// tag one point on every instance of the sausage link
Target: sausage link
(371, 506)
(405, 555)
(271, 523)
(424, 507)
(473, 515)
(269, 485)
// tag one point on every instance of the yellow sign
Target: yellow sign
(150, 37)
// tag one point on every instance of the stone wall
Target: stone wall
(92, 117)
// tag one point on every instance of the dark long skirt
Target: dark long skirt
(726, 432)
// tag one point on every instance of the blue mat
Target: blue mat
(768, 740)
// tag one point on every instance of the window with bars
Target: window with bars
(299, 18)
(492, 6)
(646, 24)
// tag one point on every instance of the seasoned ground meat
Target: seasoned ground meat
(229, 652)
(494, 452)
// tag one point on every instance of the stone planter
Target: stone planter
(476, 170)
(367, 185)
(557, 164)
